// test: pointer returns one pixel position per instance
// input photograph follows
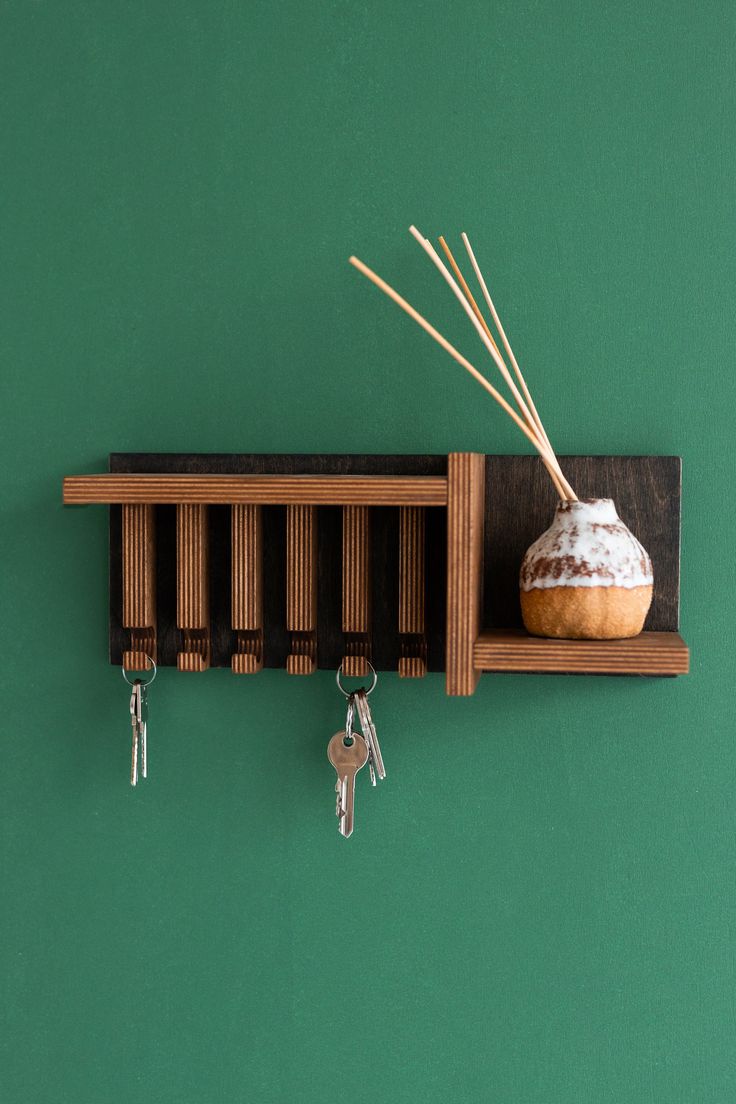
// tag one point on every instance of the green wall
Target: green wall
(538, 905)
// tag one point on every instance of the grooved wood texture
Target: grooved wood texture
(273, 490)
(301, 659)
(465, 513)
(247, 659)
(301, 588)
(412, 665)
(356, 589)
(192, 586)
(139, 585)
(650, 653)
(413, 644)
(246, 594)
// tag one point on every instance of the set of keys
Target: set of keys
(139, 724)
(349, 751)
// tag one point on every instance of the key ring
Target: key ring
(142, 683)
(347, 693)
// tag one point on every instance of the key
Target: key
(143, 728)
(349, 734)
(347, 759)
(138, 720)
(139, 723)
(349, 731)
(135, 699)
(369, 735)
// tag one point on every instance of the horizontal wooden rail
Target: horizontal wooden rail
(650, 653)
(270, 490)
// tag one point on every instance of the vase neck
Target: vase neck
(600, 510)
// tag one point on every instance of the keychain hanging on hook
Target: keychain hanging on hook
(139, 723)
(348, 751)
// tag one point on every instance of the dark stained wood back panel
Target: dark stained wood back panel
(520, 504)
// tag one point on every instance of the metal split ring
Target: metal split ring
(347, 693)
(147, 681)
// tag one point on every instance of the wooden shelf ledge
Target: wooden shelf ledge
(262, 490)
(650, 653)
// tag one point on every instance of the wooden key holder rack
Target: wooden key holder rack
(409, 562)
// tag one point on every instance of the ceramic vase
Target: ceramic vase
(587, 577)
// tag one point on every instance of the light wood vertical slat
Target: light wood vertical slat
(356, 589)
(192, 586)
(412, 638)
(465, 518)
(247, 588)
(301, 588)
(139, 585)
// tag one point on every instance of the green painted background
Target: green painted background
(538, 905)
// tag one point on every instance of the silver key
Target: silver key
(347, 759)
(135, 699)
(138, 718)
(370, 736)
(143, 729)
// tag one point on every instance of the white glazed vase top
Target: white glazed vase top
(587, 576)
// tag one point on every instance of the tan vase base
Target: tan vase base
(585, 613)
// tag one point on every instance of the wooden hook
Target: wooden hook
(192, 586)
(247, 588)
(139, 585)
(301, 588)
(356, 590)
(412, 637)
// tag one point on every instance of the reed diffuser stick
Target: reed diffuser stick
(466, 290)
(504, 339)
(535, 424)
(544, 451)
(437, 261)
(500, 363)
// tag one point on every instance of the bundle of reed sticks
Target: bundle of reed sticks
(527, 419)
